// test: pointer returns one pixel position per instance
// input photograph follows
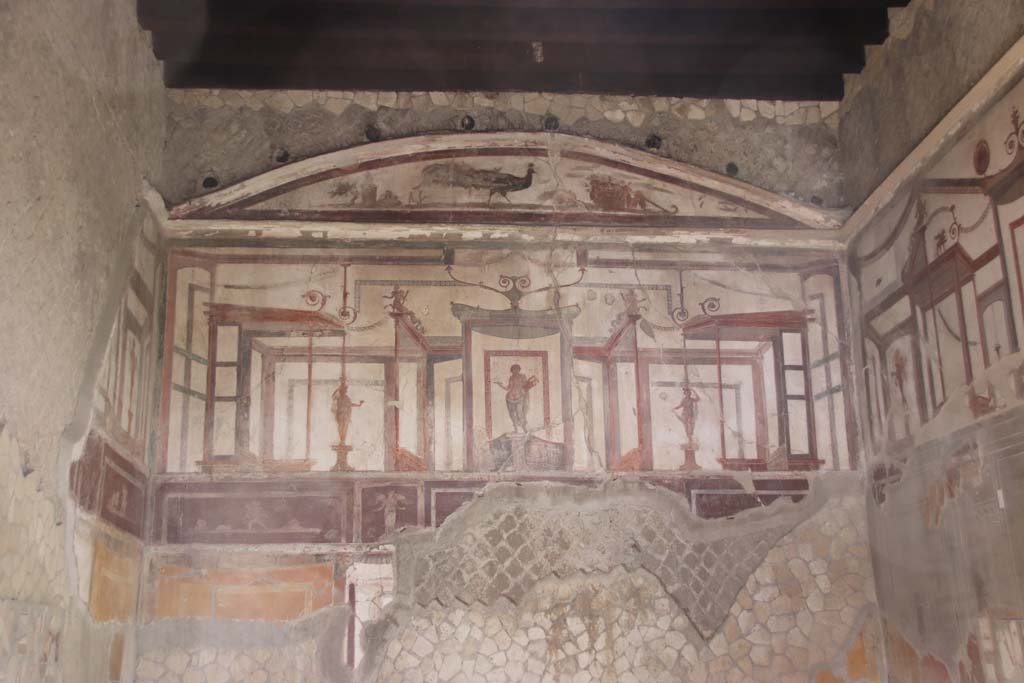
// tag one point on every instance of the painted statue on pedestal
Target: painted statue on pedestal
(686, 412)
(342, 405)
(517, 396)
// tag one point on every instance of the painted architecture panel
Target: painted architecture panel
(323, 392)
(937, 281)
(497, 357)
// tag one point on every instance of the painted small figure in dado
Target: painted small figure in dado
(390, 503)
(517, 396)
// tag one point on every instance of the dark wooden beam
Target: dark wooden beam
(204, 6)
(383, 23)
(322, 52)
(766, 49)
(735, 85)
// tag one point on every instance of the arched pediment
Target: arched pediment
(511, 179)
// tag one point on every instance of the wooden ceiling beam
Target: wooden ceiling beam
(731, 5)
(204, 7)
(672, 27)
(770, 49)
(732, 85)
(321, 52)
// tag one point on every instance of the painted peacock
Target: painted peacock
(456, 174)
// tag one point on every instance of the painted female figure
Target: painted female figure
(686, 412)
(342, 406)
(517, 396)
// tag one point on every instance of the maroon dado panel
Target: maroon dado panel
(361, 509)
(708, 497)
(387, 507)
(247, 511)
(723, 496)
(109, 485)
(86, 473)
(445, 497)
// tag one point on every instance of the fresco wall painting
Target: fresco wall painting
(939, 276)
(552, 384)
(502, 179)
(941, 337)
(129, 374)
(110, 477)
(440, 357)
(336, 396)
(414, 377)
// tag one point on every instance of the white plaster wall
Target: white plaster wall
(82, 123)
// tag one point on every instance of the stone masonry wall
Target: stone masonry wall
(546, 582)
(288, 664)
